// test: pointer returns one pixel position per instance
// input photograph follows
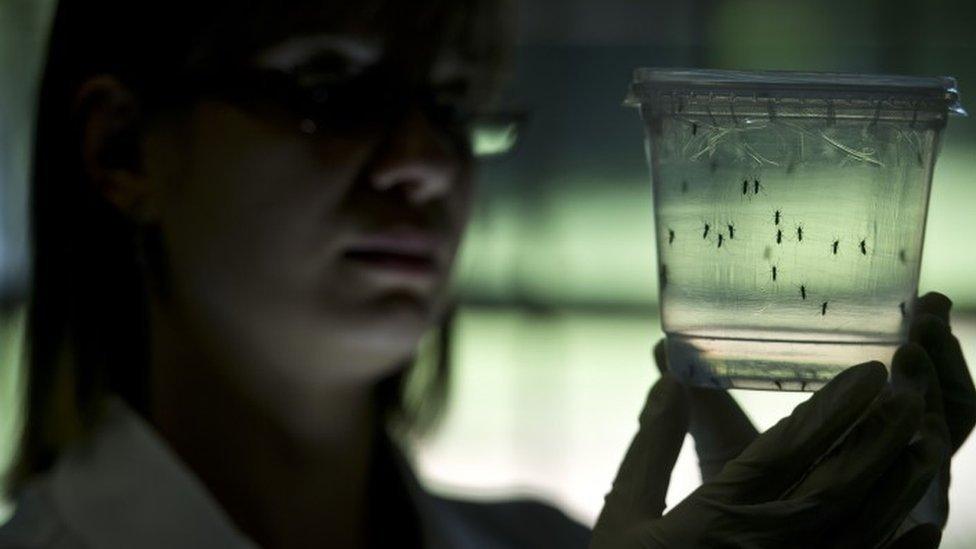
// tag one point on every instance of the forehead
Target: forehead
(469, 27)
(424, 37)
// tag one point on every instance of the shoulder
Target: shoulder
(35, 524)
(516, 524)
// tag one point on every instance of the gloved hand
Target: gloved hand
(803, 483)
(949, 394)
(721, 430)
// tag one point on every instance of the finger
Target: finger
(934, 303)
(954, 379)
(900, 488)
(778, 458)
(641, 485)
(912, 369)
(925, 536)
(958, 392)
(844, 476)
(719, 426)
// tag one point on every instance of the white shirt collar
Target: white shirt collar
(126, 488)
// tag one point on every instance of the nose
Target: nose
(416, 159)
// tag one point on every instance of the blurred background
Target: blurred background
(556, 281)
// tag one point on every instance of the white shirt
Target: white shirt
(124, 488)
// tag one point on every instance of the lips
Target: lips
(406, 252)
(391, 260)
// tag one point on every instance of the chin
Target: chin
(392, 326)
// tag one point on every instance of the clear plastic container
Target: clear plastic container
(790, 212)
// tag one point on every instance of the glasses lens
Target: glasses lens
(366, 106)
(495, 134)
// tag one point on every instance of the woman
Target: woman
(245, 215)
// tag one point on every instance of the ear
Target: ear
(112, 146)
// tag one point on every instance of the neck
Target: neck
(287, 480)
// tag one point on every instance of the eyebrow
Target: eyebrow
(354, 54)
(356, 51)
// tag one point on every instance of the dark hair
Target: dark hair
(87, 325)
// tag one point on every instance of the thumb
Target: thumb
(779, 457)
(642, 481)
(719, 426)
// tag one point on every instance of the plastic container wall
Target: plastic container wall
(790, 213)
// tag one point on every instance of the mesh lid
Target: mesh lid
(938, 93)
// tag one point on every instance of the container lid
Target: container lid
(935, 92)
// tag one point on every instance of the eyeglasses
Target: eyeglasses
(367, 103)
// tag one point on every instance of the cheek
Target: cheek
(253, 233)
(254, 215)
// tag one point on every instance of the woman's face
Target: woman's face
(304, 254)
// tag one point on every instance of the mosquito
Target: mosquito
(745, 186)
(803, 292)
(755, 188)
(721, 237)
(864, 247)
(799, 233)
(834, 246)
(823, 309)
(774, 273)
(705, 234)
(731, 232)
(694, 128)
(901, 256)
(776, 217)
(779, 236)
(670, 236)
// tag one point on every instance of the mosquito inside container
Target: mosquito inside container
(826, 177)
